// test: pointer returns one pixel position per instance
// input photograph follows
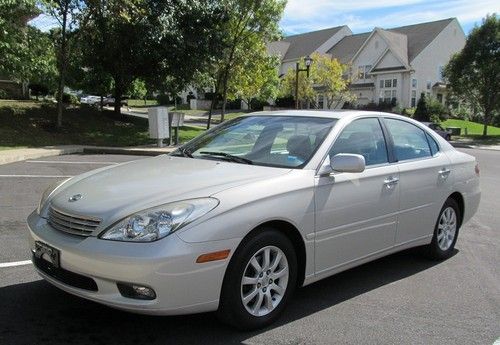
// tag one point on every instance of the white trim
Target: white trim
(15, 263)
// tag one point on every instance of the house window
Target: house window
(413, 98)
(428, 94)
(381, 84)
(414, 83)
(429, 84)
(389, 94)
(388, 83)
(321, 101)
(441, 73)
(439, 97)
(363, 72)
(394, 82)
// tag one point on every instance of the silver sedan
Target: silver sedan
(244, 214)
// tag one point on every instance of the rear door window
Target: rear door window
(410, 142)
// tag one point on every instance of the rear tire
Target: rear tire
(445, 232)
(259, 281)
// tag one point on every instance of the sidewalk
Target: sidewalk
(16, 155)
(471, 144)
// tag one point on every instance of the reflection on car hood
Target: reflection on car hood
(115, 192)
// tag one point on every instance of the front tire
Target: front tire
(445, 232)
(259, 281)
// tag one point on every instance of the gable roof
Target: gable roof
(418, 36)
(421, 35)
(305, 44)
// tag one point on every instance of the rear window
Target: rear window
(410, 142)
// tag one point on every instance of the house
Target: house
(387, 65)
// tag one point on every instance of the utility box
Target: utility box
(177, 119)
(158, 124)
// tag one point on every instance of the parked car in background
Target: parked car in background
(110, 101)
(436, 127)
(91, 100)
(240, 216)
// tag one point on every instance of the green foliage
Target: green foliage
(437, 109)
(138, 89)
(474, 73)
(408, 112)
(422, 112)
(3, 94)
(326, 77)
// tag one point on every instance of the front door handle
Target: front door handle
(444, 172)
(391, 181)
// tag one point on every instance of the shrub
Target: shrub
(408, 112)
(285, 102)
(234, 104)
(422, 112)
(3, 94)
(69, 99)
(437, 109)
(163, 99)
(257, 104)
(38, 90)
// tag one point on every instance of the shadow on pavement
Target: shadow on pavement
(38, 313)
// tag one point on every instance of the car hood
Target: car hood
(113, 193)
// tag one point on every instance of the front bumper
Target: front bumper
(168, 266)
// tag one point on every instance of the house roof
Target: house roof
(305, 44)
(418, 36)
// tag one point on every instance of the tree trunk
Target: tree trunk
(224, 97)
(62, 68)
(486, 122)
(118, 97)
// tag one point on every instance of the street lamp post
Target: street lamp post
(308, 60)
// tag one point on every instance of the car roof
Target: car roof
(334, 114)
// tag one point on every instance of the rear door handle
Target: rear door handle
(444, 172)
(391, 181)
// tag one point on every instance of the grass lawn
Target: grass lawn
(139, 103)
(473, 128)
(31, 124)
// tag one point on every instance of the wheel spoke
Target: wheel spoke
(440, 235)
(267, 258)
(249, 280)
(276, 261)
(281, 273)
(258, 302)
(250, 296)
(278, 289)
(269, 302)
(255, 264)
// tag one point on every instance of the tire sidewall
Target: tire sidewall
(231, 308)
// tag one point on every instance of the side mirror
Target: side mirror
(348, 162)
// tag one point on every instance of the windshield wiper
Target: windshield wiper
(183, 152)
(228, 156)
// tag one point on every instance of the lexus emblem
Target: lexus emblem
(75, 197)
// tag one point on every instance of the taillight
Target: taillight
(476, 169)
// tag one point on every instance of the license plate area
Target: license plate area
(47, 253)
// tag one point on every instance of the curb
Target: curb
(16, 155)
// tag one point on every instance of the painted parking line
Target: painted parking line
(14, 263)
(71, 162)
(36, 176)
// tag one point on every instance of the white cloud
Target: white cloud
(364, 15)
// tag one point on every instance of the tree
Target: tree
(256, 78)
(422, 111)
(26, 53)
(474, 73)
(326, 77)
(164, 43)
(250, 25)
(64, 11)
(138, 90)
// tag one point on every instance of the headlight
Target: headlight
(48, 192)
(155, 223)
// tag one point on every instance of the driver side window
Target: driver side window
(363, 137)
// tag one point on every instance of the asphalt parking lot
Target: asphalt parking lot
(400, 299)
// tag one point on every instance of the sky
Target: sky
(363, 15)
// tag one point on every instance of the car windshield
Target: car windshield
(279, 141)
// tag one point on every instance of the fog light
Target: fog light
(136, 291)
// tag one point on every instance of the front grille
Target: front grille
(72, 224)
(65, 276)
